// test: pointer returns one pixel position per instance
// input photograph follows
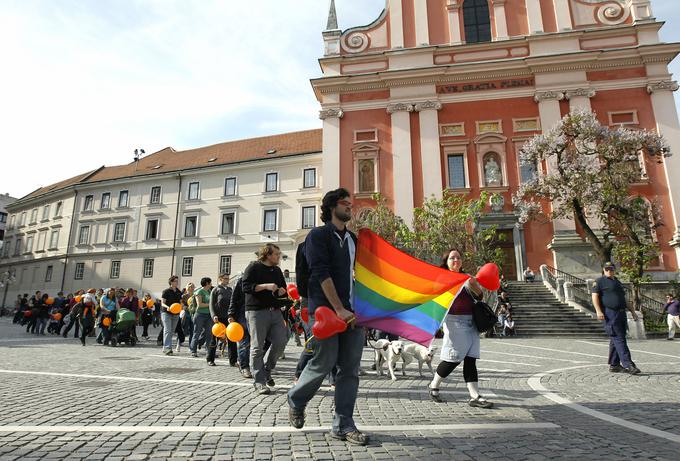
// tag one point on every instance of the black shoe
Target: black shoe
(262, 389)
(211, 364)
(296, 417)
(480, 402)
(354, 437)
(270, 383)
(434, 394)
(616, 369)
(633, 370)
(64, 335)
(669, 339)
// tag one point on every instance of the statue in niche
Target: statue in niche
(492, 172)
(366, 175)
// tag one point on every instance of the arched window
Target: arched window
(477, 21)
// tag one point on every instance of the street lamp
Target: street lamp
(6, 279)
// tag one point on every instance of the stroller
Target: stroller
(122, 330)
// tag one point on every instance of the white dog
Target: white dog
(390, 355)
(378, 346)
(417, 352)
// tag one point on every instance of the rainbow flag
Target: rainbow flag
(399, 294)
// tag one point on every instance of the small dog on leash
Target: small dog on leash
(390, 355)
(421, 354)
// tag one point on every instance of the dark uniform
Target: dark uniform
(613, 301)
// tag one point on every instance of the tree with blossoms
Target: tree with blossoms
(590, 171)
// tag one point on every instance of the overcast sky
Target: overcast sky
(85, 82)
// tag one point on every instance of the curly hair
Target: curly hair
(330, 201)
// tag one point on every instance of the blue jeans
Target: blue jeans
(344, 352)
(202, 327)
(615, 325)
(40, 326)
(169, 324)
(188, 326)
(244, 345)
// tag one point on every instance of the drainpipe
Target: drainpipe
(174, 237)
(68, 241)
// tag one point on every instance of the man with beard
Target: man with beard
(330, 252)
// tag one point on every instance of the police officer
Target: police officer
(610, 304)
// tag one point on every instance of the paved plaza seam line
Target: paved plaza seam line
(632, 350)
(535, 383)
(552, 359)
(553, 350)
(487, 392)
(281, 429)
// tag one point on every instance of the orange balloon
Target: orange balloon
(175, 308)
(150, 303)
(79, 298)
(49, 301)
(106, 321)
(235, 332)
(219, 329)
(57, 316)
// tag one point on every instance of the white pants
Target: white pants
(673, 323)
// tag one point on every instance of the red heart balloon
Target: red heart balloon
(327, 323)
(293, 292)
(304, 315)
(489, 277)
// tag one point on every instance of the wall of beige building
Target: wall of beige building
(110, 241)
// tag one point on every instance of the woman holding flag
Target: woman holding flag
(461, 338)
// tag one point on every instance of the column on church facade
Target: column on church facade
(422, 26)
(396, 23)
(563, 15)
(500, 19)
(429, 148)
(402, 164)
(331, 148)
(549, 111)
(534, 16)
(455, 34)
(666, 116)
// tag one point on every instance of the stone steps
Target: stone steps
(537, 313)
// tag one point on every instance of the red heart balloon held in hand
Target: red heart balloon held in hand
(489, 277)
(327, 323)
(293, 292)
(304, 315)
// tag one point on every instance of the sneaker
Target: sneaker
(670, 339)
(168, 352)
(177, 349)
(245, 372)
(211, 364)
(354, 437)
(616, 369)
(296, 417)
(434, 394)
(633, 370)
(270, 383)
(233, 364)
(480, 402)
(261, 389)
(194, 354)
(65, 335)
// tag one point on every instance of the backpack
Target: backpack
(301, 270)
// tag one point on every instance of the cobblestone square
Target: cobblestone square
(555, 399)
